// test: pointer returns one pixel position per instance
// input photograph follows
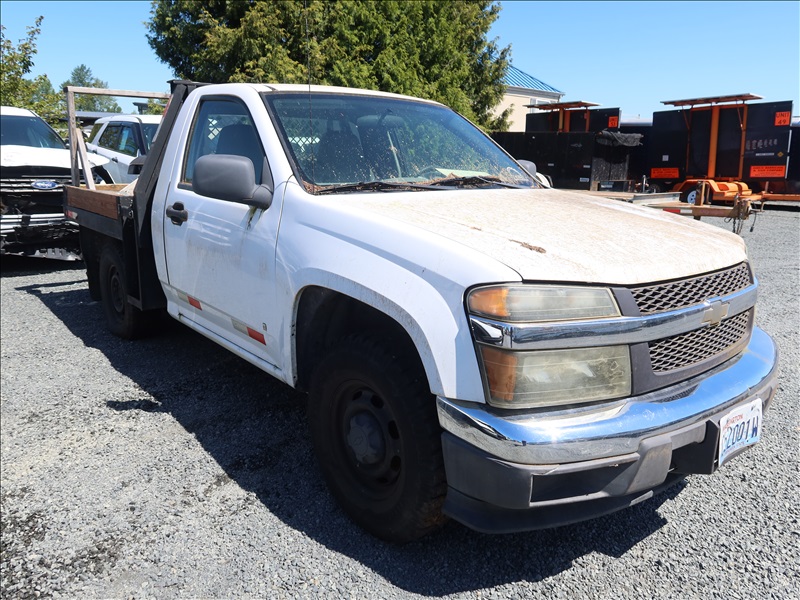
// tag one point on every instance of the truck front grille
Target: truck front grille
(679, 294)
(699, 345)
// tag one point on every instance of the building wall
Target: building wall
(517, 117)
(517, 99)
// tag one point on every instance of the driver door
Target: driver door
(220, 254)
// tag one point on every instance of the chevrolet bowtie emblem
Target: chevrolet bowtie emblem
(714, 314)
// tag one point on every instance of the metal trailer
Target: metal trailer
(788, 189)
(722, 150)
(577, 146)
(717, 149)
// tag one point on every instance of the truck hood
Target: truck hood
(28, 156)
(555, 235)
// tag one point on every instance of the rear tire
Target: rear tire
(123, 319)
(377, 439)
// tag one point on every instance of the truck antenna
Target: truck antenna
(308, 70)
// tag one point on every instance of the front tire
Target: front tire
(377, 439)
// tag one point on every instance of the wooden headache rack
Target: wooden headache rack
(79, 159)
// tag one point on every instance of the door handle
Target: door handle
(115, 159)
(177, 214)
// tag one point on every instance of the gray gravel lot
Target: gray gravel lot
(168, 468)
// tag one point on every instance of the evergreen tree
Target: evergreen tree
(432, 49)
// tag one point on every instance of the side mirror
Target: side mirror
(529, 166)
(135, 166)
(230, 177)
(541, 178)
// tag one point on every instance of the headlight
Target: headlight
(534, 303)
(541, 378)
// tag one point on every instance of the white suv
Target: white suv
(121, 139)
(34, 168)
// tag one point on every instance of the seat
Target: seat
(339, 159)
(241, 140)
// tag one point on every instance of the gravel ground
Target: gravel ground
(168, 468)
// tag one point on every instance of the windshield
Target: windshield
(17, 130)
(338, 140)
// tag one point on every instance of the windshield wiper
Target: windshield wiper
(473, 181)
(372, 186)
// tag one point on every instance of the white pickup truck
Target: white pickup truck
(474, 345)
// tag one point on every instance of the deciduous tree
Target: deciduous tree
(16, 61)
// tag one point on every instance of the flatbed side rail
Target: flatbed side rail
(98, 209)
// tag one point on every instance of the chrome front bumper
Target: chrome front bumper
(613, 428)
(501, 464)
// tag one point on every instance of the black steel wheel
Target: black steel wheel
(377, 439)
(123, 319)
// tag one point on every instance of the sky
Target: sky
(627, 55)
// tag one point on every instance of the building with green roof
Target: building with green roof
(521, 90)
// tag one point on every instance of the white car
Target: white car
(121, 139)
(34, 167)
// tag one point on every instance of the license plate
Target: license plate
(739, 428)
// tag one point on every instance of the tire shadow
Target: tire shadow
(254, 427)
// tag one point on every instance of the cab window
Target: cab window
(127, 141)
(111, 137)
(223, 126)
(95, 130)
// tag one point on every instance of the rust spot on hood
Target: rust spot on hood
(538, 249)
